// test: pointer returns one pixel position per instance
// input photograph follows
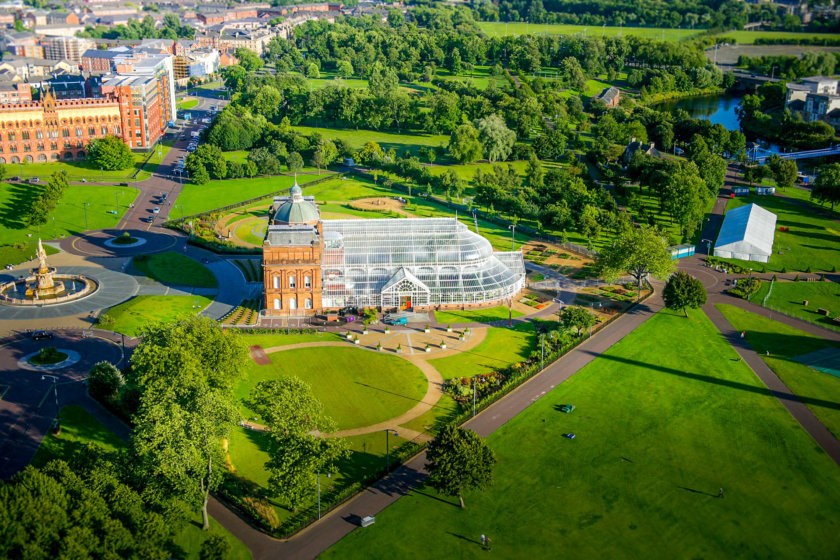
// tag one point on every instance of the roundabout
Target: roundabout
(104, 243)
(67, 359)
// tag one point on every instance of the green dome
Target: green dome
(297, 211)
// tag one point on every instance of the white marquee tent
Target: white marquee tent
(747, 234)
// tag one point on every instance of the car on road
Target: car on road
(34, 180)
(42, 335)
(191, 148)
(156, 210)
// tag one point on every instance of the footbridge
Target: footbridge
(760, 155)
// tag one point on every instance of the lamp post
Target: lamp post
(708, 243)
(102, 171)
(592, 312)
(85, 205)
(388, 450)
(54, 380)
(512, 229)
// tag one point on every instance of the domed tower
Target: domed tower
(292, 252)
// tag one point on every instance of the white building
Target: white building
(747, 233)
(815, 98)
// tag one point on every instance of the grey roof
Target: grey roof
(299, 236)
(609, 94)
(749, 229)
(295, 208)
(98, 53)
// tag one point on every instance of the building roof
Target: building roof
(749, 230)
(292, 235)
(609, 94)
(295, 209)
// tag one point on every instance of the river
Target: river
(720, 109)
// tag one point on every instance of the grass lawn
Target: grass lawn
(357, 387)
(387, 140)
(173, 268)
(187, 105)
(191, 537)
(819, 390)
(500, 348)
(488, 315)
(201, 198)
(345, 189)
(78, 428)
(813, 241)
(788, 297)
(272, 340)
(83, 169)
(661, 425)
(501, 28)
(68, 218)
(252, 231)
(132, 315)
(749, 37)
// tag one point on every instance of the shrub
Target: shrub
(105, 381)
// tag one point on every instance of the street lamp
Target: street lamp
(708, 243)
(54, 380)
(512, 229)
(85, 205)
(388, 449)
(592, 312)
(329, 475)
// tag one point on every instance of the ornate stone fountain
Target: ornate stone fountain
(45, 285)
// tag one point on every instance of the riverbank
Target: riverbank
(657, 98)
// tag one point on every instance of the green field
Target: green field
(387, 140)
(500, 348)
(272, 340)
(811, 242)
(79, 428)
(489, 315)
(187, 105)
(77, 170)
(501, 28)
(788, 297)
(819, 390)
(357, 387)
(662, 424)
(174, 268)
(749, 37)
(139, 311)
(215, 194)
(68, 218)
(345, 189)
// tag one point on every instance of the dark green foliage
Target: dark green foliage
(577, 318)
(109, 153)
(683, 292)
(48, 199)
(459, 460)
(105, 381)
(214, 547)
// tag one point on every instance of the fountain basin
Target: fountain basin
(67, 287)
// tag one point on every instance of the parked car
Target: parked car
(15, 178)
(156, 210)
(34, 180)
(42, 335)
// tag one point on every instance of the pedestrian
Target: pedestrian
(743, 334)
(483, 541)
(720, 493)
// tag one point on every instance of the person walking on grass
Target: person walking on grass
(720, 493)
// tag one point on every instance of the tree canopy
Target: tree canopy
(683, 291)
(109, 153)
(638, 251)
(459, 460)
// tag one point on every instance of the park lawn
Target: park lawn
(357, 387)
(78, 428)
(344, 189)
(788, 297)
(273, 340)
(432, 420)
(334, 208)
(804, 195)
(82, 169)
(749, 37)
(134, 314)
(661, 424)
(187, 105)
(173, 268)
(501, 348)
(501, 28)
(22, 252)
(812, 241)
(196, 199)
(488, 315)
(480, 77)
(401, 142)
(192, 536)
(819, 391)
(248, 453)
(249, 231)
(68, 218)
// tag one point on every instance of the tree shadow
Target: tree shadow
(439, 499)
(697, 491)
(14, 211)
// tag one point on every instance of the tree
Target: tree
(753, 174)
(370, 153)
(248, 59)
(2, 172)
(459, 460)
(685, 198)
(295, 162)
(496, 137)
(344, 68)
(535, 172)
(109, 153)
(464, 144)
(578, 318)
(211, 158)
(827, 186)
(105, 381)
(200, 176)
(311, 71)
(785, 173)
(294, 415)
(214, 547)
(185, 373)
(640, 251)
(683, 291)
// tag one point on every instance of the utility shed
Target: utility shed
(747, 234)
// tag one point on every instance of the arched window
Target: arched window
(292, 282)
(15, 159)
(56, 156)
(68, 155)
(78, 131)
(277, 303)
(28, 159)
(91, 131)
(42, 157)
(292, 304)
(276, 282)
(2, 160)
(307, 303)
(307, 282)
(80, 155)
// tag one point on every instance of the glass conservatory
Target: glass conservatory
(418, 262)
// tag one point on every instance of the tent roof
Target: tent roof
(748, 229)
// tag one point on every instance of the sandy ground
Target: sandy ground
(573, 260)
(380, 204)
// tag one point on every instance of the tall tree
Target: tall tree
(109, 153)
(638, 251)
(459, 460)
(785, 173)
(496, 137)
(827, 186)
(464, 144)
(683, 291)
(248, 59)
(185, 373)
(577, 318)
